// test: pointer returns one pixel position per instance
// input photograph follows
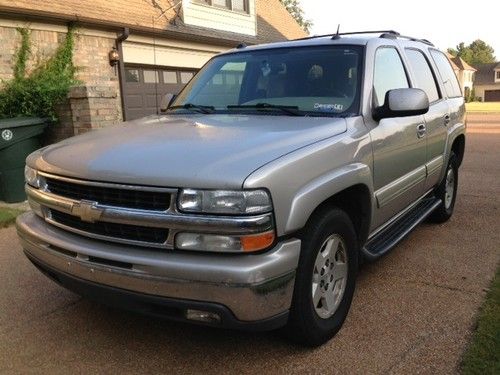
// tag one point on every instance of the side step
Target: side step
(384, 241)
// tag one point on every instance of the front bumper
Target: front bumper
(251, 288)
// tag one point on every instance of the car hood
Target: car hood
(211, 151)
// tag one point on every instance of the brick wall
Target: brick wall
(96, 102)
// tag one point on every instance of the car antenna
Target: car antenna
(337, 35)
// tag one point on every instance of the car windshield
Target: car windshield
(307, 81)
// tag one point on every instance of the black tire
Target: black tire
(443, 212)
(305, 326)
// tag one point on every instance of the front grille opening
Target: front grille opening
(113, 230)
(137, 199)
(109, 262)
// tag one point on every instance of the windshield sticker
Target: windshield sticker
(328, 107)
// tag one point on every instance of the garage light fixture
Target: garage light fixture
(114, 57)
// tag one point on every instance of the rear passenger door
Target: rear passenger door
(424, 78)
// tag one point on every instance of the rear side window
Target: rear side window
(447, 74)
(389, 74)
(423, 74)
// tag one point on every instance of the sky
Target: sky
(445, 23)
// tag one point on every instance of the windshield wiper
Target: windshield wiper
(195, 107)
(292, 110)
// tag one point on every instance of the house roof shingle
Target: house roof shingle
(274, 23)
(462, 65)
(485, 74)
(458, 63)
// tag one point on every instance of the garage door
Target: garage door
(145, 86)
(492, 96)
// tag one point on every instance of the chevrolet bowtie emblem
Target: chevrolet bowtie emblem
(87, 211)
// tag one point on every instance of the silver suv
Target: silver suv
(252, 200)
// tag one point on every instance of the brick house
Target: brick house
(162, 41)
(487, 82)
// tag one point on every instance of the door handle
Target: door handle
(421, 129)
(447, 119)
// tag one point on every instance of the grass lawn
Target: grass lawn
(483, 107)
(483, 354)
(8, 216)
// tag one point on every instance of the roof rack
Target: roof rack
(394, 36)
(389, 34)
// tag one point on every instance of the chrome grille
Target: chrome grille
(126, 232)
(110, 196)
(131, 214)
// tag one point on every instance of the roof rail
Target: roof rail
(350, 33)
(388, 34)
(399, 36)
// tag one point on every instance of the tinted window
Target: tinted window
(447, 74)
(423, 74)
(315, 80)
(389, 74)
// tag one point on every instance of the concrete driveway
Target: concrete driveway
(413, 311)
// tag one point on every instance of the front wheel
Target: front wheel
(447, 192)
(325, 279)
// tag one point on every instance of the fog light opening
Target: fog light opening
(202, 316)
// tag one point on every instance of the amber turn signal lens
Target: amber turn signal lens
(257, 242)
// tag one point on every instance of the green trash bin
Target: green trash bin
(18, 138)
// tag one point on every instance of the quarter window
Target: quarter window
(447, 74)
(389, 74)
(423, 74)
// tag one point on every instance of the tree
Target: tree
(293, 7)
(478, 52)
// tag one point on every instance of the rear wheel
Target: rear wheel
(447, 192)
(325, 278)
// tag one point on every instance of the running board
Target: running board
(384, 241)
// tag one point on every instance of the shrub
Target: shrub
(38, 93)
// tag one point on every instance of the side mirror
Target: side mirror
(166, 101)
(402, 103)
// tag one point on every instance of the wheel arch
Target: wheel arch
(458, 148)
(352, 192)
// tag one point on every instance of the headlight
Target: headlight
(31, 177)
(225, 201)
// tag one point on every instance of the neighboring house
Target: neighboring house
(487, 83)
(163, 41)
(465, 74)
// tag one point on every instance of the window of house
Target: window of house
(423, 74)
(497, 75)
(186, 76)
(447, 74)
(170, 77)
(389, 74)
(234, 5)
(131, 75)
(150, 76)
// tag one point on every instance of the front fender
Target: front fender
(324, 187)
(300, 181)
